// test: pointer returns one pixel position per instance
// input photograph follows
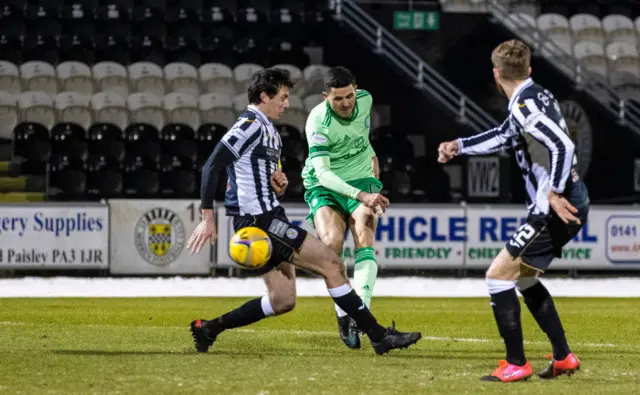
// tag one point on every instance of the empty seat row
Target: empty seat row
(568, 8)
(146, 77)
(141, 107)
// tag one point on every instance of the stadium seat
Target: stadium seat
(36, 106)
(67, 178)
(76, 48)
(69, 139)
(112, 49)
(314, 77)
(289, 133)
(8, 115)
(185, 49)
(112, 20)
(207, 136)
(313, 100)
(147, 49)
(31, 142)
(149, 20)
(142, 141)
(251, 21)
(620, 28)
(240, 103)
(184, 20)
(11, 49)
(104, 178)
(217, 47)
(181, 108)
(242, 74)
(147, 77)
(73, 107)
(217, 108)
(529, 8)
(178, 179)
(110, 107)
(9, 78)
(75, 77)
(77, 18)
(39, 76)
(623, 57)
(522, 22)
(291, 164)
(179, 141)
(111, 76)
(40, 48)
(42, 20)
(182, 77)
(285, 51)
(555, 27)
(296, 114)
(106, 140)
(217, 78)
(145, 107)
(299, 88)
(591, 56)
(140, 179)
(286, 22)
(12, 21)
(586, 27)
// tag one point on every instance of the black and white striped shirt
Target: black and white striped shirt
(536, 132)
(256, 144)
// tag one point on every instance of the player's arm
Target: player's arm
(374, 161)
(492, 140)
(561, 148)
(319, 144)
(232, 145)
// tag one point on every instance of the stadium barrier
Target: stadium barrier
(148, 237)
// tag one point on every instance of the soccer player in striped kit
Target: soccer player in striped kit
(558, 206)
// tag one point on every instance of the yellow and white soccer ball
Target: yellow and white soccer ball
(250, 248)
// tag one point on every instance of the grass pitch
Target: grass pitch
(143, 346)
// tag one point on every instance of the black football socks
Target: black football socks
(541, 306)
(244, 315)
(506, 309)
(347, 299)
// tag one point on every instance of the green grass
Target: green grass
(142, 346)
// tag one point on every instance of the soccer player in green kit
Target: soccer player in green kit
(341, 180)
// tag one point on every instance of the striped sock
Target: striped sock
(365, 273)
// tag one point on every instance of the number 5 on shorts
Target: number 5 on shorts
(523, 236)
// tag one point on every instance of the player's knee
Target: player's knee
(333, 240)
(283, 303)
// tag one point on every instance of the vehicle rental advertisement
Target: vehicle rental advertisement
(450, 236)
(54, 235)
(406, 237)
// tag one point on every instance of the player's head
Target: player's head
(269, 91)
(340, 91)
(511, 63)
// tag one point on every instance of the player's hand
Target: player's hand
(374, 200)
(205, 231)
(279, 182)
(447, 151)
(563, 208)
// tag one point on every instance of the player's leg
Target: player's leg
(280, 299)
(362, 224)
(317, 258)
(330, 226)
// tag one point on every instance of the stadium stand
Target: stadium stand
(128, 98)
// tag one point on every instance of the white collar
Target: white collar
(256, 110)
(527, 83)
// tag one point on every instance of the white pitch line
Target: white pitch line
(321, 333)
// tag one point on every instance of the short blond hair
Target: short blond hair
(512, 59)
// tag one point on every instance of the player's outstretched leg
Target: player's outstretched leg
(540, 304)
(501, 280)
(320, 259)
(281, 298)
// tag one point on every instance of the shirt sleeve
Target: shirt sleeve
(492, 140)
(242, 135)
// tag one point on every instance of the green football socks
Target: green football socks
(365, 273)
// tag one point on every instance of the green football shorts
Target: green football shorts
(319, 196)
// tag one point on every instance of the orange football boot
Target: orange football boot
(507, 372)
(567, 366)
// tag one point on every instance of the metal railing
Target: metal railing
(426, 78)
(627, 113)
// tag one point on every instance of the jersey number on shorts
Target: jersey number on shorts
(522, 236)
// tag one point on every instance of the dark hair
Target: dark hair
(268, 81)
(338, 77)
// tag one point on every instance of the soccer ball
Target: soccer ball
(250, 248)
